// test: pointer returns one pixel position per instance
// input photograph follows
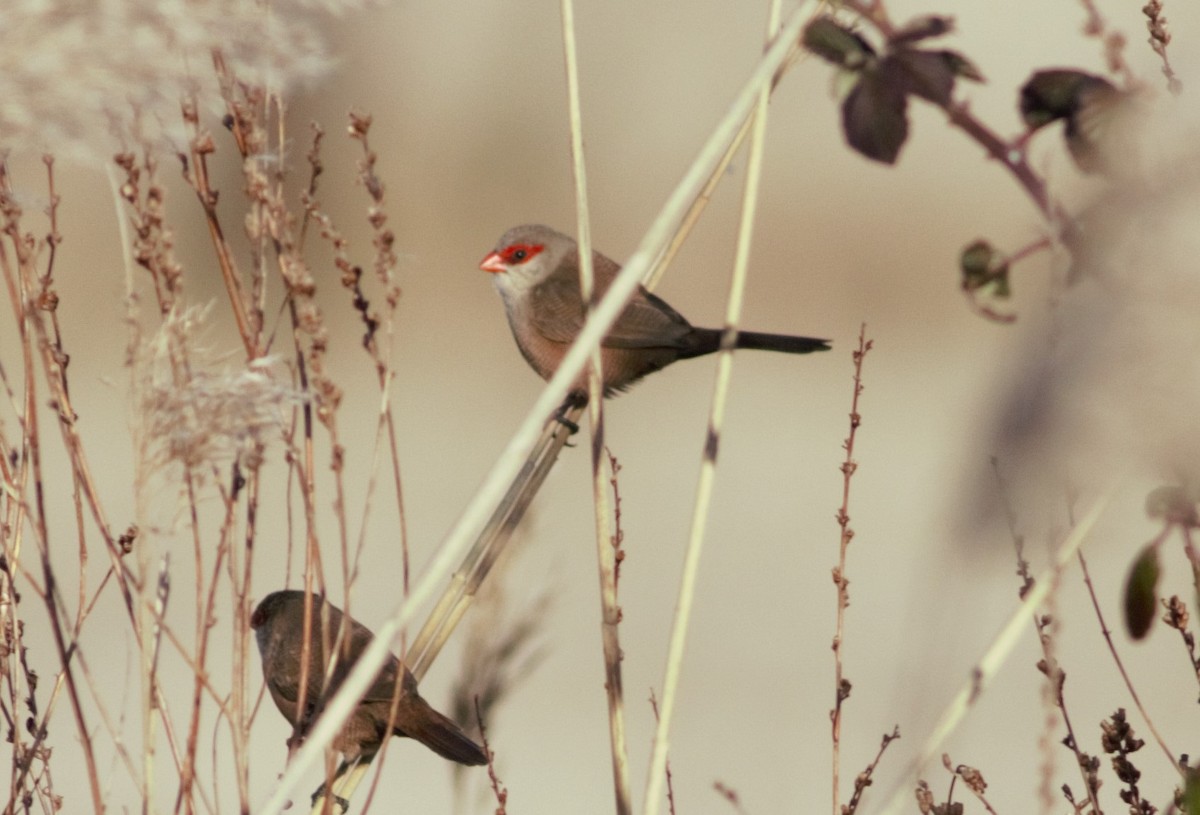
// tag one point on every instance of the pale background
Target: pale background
(469, 108)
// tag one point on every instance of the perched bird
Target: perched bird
(537, 274)
(278, 624)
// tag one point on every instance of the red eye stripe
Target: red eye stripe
(520, 252)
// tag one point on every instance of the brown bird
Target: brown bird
(278, 624)
(537, 274)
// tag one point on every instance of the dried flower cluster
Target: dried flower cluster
(194, 414)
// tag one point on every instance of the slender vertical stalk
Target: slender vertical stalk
(849, 465)
(704, 489)
(610, 614)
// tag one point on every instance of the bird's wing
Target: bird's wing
(285, 689)
(556, 310)
(648, 322)
(384, 684)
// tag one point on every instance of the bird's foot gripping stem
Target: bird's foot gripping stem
(340, 804)
(574, 401)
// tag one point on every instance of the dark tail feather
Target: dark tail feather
(707, 340)
(780, 342)
(444, 737)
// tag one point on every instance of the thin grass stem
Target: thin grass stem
(704, 489)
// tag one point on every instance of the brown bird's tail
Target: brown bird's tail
(708, 340)
(780, 342)
(442, 736)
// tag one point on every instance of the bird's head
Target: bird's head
(524, 255)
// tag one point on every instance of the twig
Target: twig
(1160, 38)
(841, 684)
(666, 764)
(618, 536)
(610, 612)
(866, 777)
(1177, 618)
(730, 795)
(972, 778)
(19, 276)
(1112, 649)
(197, 178)
(498, 789)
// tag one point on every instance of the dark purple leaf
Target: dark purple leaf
(875, 117)
(924, 73)
(920, 28)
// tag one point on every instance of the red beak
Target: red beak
(493, 263)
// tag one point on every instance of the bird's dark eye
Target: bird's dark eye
(258, 617)
(519, 253)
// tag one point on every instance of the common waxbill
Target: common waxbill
(278, 624)
(536, 271)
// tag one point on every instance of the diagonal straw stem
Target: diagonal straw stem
(993, 659)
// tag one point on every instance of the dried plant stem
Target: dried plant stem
(666, 766)
(691, 565)
(1046, 626)
(20, 285)
(1112, 649)
(610, 613)
(599, 321)
(864, 778)
(994, 658)
(20, 274)
(1160, 38)
(198, 179)
(841, 685)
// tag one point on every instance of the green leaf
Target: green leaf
(875, 115)
(836, 43)
(981, 265)
(1191, 793)
(1141, 593)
